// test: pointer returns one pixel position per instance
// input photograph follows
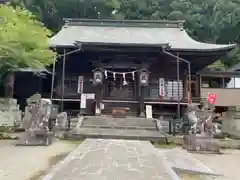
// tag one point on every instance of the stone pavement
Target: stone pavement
(99, 159)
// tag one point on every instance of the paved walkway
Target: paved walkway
(98, 159)
(226, 164)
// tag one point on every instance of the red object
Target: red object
(212, 98)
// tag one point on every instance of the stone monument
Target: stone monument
(35, 123)
(10, 115)
(200, 137)
(61, 124)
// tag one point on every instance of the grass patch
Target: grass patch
(6, 129)
(190, 176)
(165, 144)
(8, 136)
(72, 141)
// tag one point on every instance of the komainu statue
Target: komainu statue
(36, 121)
(200, 137)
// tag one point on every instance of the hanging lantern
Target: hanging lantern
(124, 79)
(143, 78)
(97, 77)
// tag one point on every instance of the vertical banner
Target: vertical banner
(80, 84)
(83, 101)
(161, 87)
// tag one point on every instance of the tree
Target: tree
(23, 44)
(214, 21)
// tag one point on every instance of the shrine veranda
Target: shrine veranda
(129, 64)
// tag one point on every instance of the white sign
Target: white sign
(91, 96)
(148, 111)
(83, 100)
(161, 87)
(80, 84)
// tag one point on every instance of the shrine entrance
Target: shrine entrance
(120, 87)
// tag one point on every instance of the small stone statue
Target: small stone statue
(200, 137)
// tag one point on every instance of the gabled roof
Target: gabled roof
(129, 32)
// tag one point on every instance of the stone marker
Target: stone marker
(36, 123)
(61, 124)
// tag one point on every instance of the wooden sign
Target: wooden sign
(80, 84)
(161, 87)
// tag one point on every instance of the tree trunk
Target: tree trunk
(9, 85)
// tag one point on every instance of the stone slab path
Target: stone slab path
(108, 159)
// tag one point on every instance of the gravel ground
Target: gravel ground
(226, 164)
(28, 163)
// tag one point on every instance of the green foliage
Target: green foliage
(23, 41)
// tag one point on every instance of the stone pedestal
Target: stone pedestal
(200, 144)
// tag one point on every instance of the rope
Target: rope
(129, 72)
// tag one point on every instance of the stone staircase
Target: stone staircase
(107, 127)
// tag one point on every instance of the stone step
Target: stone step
(119, 126)
(111, 123)
(135, 134)
(135, 121)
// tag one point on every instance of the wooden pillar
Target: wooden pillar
(143, 81)
(141, 101)
(98, 100)
(63, 80)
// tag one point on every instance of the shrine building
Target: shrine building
(105, 64)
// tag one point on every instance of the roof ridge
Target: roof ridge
(123, 23)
